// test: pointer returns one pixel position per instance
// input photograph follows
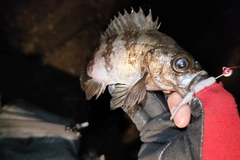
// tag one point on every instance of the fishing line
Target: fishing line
(227, 71)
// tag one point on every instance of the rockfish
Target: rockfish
(133, 57)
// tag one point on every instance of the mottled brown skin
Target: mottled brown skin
(140, 58)
(154, 56)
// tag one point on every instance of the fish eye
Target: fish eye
(182, 63)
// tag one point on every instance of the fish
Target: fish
(133, 57)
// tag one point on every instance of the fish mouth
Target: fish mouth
(187, 82)
(197, 78)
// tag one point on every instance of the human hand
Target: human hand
(214, 121)
(156, 104)
(163, 139)
(182, 117)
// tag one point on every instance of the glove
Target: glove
(213, 132)
(161, 138)
(221, 136)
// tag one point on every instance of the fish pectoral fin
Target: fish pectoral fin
(126, 97)
(93, 88)
(136, 93)
(118, 93)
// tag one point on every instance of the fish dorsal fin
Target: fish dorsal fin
(130, 22)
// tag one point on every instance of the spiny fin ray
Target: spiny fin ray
(129, 22)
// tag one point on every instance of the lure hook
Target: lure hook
(226, 72)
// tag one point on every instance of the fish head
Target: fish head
(173, 69)
(188, 72)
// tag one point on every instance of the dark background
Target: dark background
(43, 44)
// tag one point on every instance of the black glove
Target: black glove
(161, 138)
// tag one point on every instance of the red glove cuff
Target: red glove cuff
(221, 131)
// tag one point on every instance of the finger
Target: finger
(182, 117)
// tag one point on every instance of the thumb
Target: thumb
(182, 117)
